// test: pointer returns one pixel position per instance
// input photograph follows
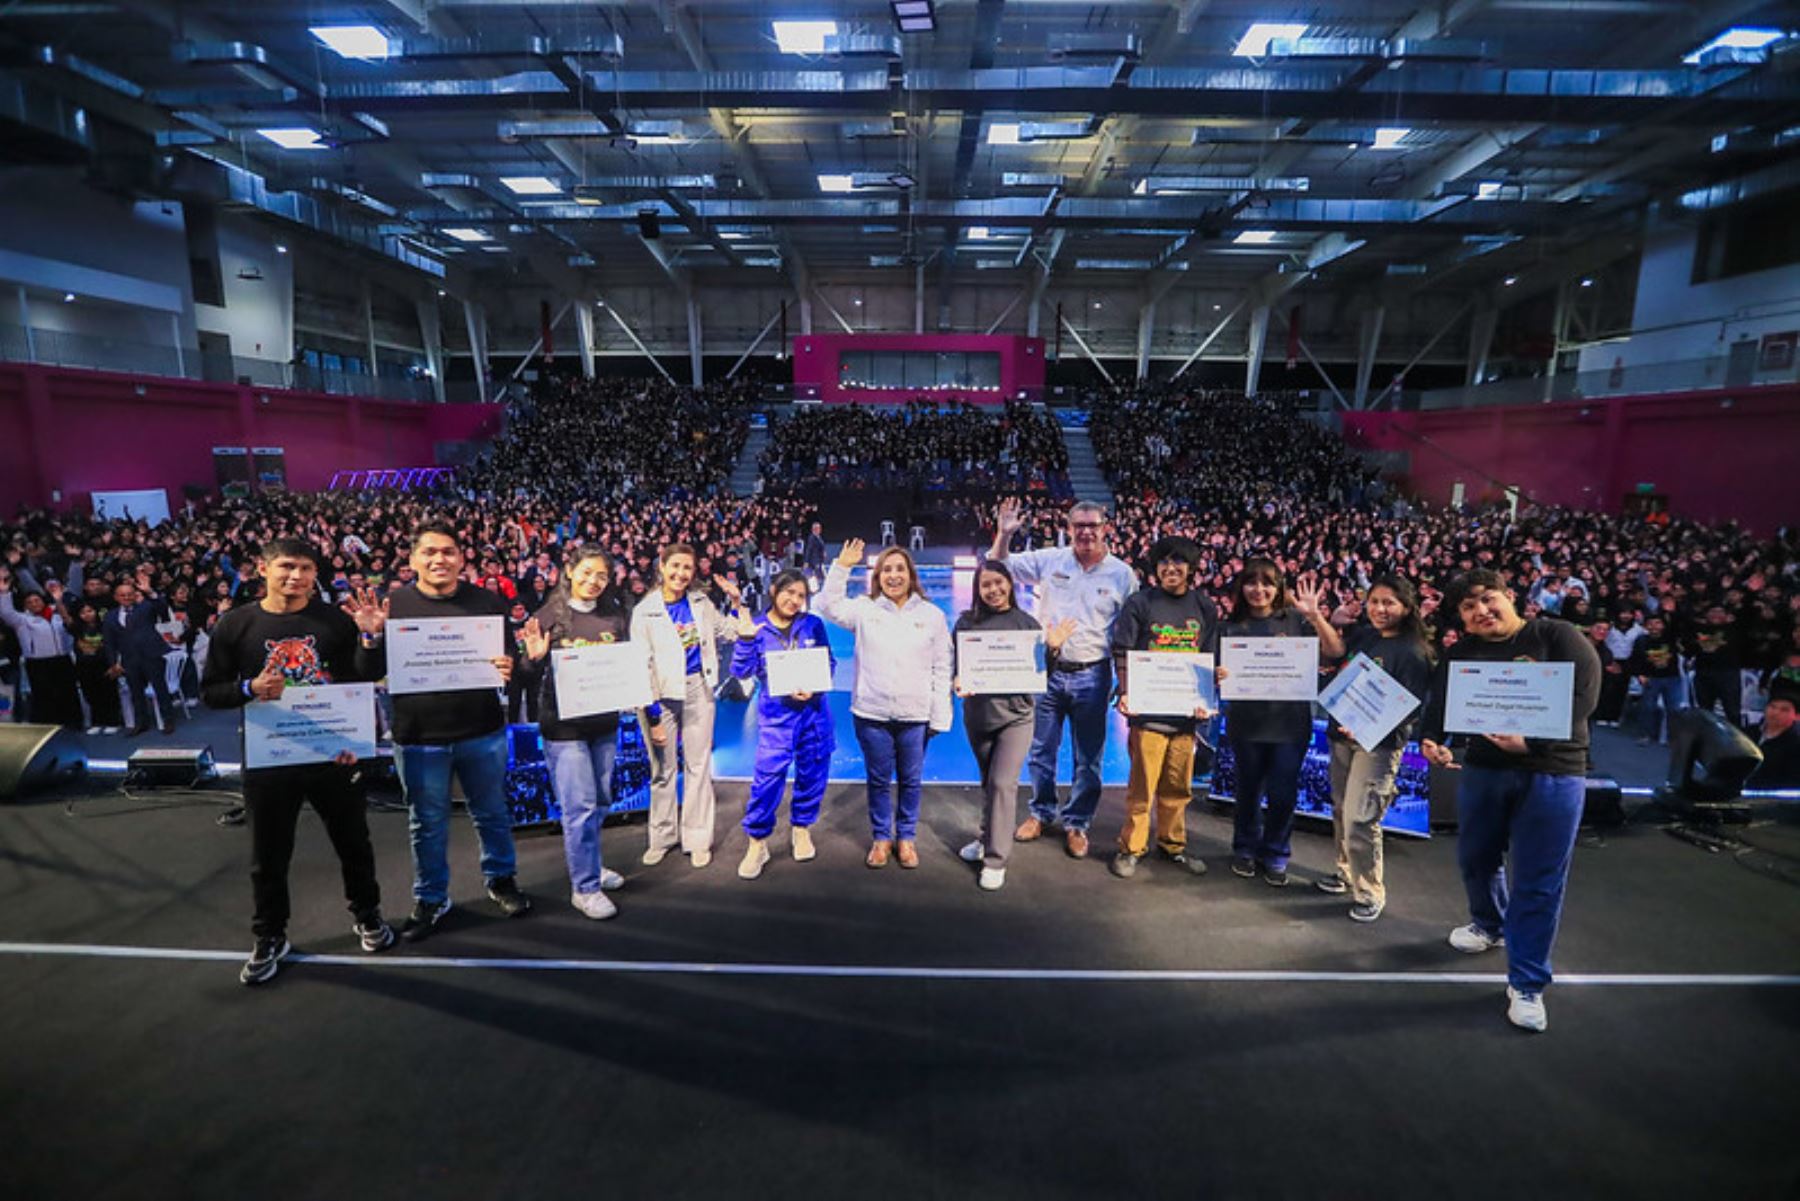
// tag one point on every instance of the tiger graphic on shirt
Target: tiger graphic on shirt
(297, 659)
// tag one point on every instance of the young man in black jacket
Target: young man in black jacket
(291, 636)
(1518, 798)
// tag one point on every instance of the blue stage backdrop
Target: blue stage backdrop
(947, 758)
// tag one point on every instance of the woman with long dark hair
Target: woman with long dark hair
(586, 611)
(1363, 782)
(1269, 738)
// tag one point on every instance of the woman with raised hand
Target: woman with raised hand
(998, 725)
(580, 750)
(684, 630)
(792, 731)
(1363, 783)
(1269, 739)
(901, 693)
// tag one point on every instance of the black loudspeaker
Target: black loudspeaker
(648, 225)
(1709, 760)
(37, 757)
(1602, 805)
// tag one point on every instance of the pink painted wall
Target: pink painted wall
(1716, 455)
(82, 431)
(816, 365)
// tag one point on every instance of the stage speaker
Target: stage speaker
(649, 225)
(37, 757)
(1603, 803)
(1709, 760)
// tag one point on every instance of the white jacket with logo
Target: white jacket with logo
(902, 653)
(650, 623)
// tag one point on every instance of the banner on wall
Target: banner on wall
(270, 466)
(143, 504)
(231, 468)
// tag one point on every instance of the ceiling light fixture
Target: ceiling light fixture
(531, 185)
(914, 16)
(1388, 137)
(353, 41)
(1003, 133)
(463, 233)
(1255, 237)
(1256, 39)
(836, 183)
(294, 138)
(803, 37)
(1738, 37)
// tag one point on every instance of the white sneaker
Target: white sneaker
(654, 856)
(1526, 1009)
(992, 878)
(596, 905)
(973, 853)
(700, 858)
(803, 844)
(610, 881)
(756, 857)
(96, 730)
(1473, 940)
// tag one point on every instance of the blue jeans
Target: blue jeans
(1668, 692)
(581, 775)
(1081, 697)
(1269, 769)
(892, 749)
(1530, 819)
(480, 763)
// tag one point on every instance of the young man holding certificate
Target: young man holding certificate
(1519, 798)
(292, 638)
(448, 718)
(1168, 617)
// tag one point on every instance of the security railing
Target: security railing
(1682, 375)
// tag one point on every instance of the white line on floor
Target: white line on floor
(882, 972)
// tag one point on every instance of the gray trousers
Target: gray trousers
(687, 822)
(1000, 754)
(1362, 788)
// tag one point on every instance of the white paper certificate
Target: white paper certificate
(1269, 669)
(310, 725)
(1367, 701)
(1168, 683)
(807, 669)
(447, 654)
(608, 677)
(1003, 662)
(1533, 700)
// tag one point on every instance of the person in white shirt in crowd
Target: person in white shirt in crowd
(1085, 582)
(47, 650)
(901, 693)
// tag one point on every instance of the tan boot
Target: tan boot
(803, 844)
(756, 857)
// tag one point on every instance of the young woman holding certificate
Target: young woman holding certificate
(580, 750)
(1363, 782)
(902, 687)
(792, 731)
(999, 725)
(1269, 737)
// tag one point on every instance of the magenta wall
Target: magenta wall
(816, 365)
(82, 431)
(1716, 456)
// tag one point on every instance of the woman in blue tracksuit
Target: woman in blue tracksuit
(791, 730)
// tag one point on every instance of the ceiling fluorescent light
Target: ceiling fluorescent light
(1003, 133)
(1388, 137)
(803, 37)
(353, 41)
(530, 185)
(917, 24)
(977, 233)
(295, 138)
(1256, 39)
(1487, 191)
(836, 183)
(463, 233)
(914, 16)
(1255, 237)
(1738, 37)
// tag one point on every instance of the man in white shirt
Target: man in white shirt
(1084, 582)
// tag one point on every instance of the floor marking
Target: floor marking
(881, 972)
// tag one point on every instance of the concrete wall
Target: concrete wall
(258, 313)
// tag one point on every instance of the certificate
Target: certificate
(443, 654)
(606, 677)
(1533, 700)
(1269, 669)
(805, 670)
(1168, 683)
(1367, 701)
(310, 725)
(1004, 662)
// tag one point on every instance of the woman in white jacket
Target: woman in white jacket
(683, 630)
(902, 688)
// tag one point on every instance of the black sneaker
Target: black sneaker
(1124, 865)
(376, 935)
(1244, 867)
(1335, 885)
(423, 920)
(265, 960)
(505, 893)
(1192, 863)
(1362, 911)
(1275, 877)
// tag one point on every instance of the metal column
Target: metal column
(1146, 334)
(584, 336)
(1481, 342)
(431, 337)
(696, 341)
(475, 317)
(1368, 340)
(1259, 337)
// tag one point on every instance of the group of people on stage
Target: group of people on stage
(1520, 799)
